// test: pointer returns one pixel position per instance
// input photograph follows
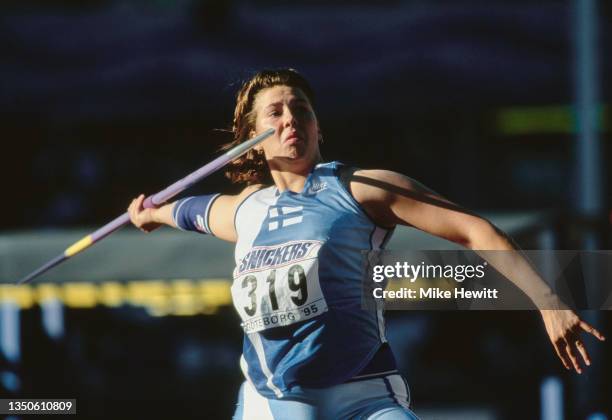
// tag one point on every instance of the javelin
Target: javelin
(151, 201)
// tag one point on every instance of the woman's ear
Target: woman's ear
(258, 147)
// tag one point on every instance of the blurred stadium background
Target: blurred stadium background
(502, 106)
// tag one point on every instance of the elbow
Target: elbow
(483, 235)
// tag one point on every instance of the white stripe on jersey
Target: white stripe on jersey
(248, 234)
(377, 240)
(381, 321)
(244, 366)
(256, 340)
(256, 215)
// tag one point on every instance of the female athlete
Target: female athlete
(310, 351)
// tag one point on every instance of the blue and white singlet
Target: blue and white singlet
(298, 284)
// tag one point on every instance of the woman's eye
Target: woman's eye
(274, 114)
(303, 110)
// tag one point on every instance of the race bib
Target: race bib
(278, 286)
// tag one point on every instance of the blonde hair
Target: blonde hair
(252, 168)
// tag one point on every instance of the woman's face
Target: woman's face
(290, 113)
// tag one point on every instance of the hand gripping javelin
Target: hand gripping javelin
(151, 201)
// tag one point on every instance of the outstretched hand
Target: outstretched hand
(564, 328)
(142, 218)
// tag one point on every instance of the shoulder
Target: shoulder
(381, 174)
(248, 190)
(379, 191)
(230, 203)
(369, 184)
(224, 210)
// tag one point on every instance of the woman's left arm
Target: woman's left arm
(390, 199)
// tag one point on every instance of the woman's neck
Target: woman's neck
(290, 180)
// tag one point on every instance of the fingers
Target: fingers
(583, 351)
(564, 329)
(135, 209)
(572, 356)
(566, 352)
(564, 359)
(570, 353)
(592, 330)
(138, 202)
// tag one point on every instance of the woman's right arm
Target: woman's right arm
(220, 218)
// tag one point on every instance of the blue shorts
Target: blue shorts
(382, 398)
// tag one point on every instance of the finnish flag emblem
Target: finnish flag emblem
(283, 216)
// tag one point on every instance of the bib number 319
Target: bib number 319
(278, 296)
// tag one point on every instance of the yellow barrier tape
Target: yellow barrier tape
(112, 294)
(80, 295)
(48, 291)
(21, 295)
(213, 294)
(181, 297)
(153, 295)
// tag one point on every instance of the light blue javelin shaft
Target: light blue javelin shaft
(151, 201)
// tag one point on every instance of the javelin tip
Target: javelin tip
(49, 265)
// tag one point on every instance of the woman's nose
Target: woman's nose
(289, 118)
